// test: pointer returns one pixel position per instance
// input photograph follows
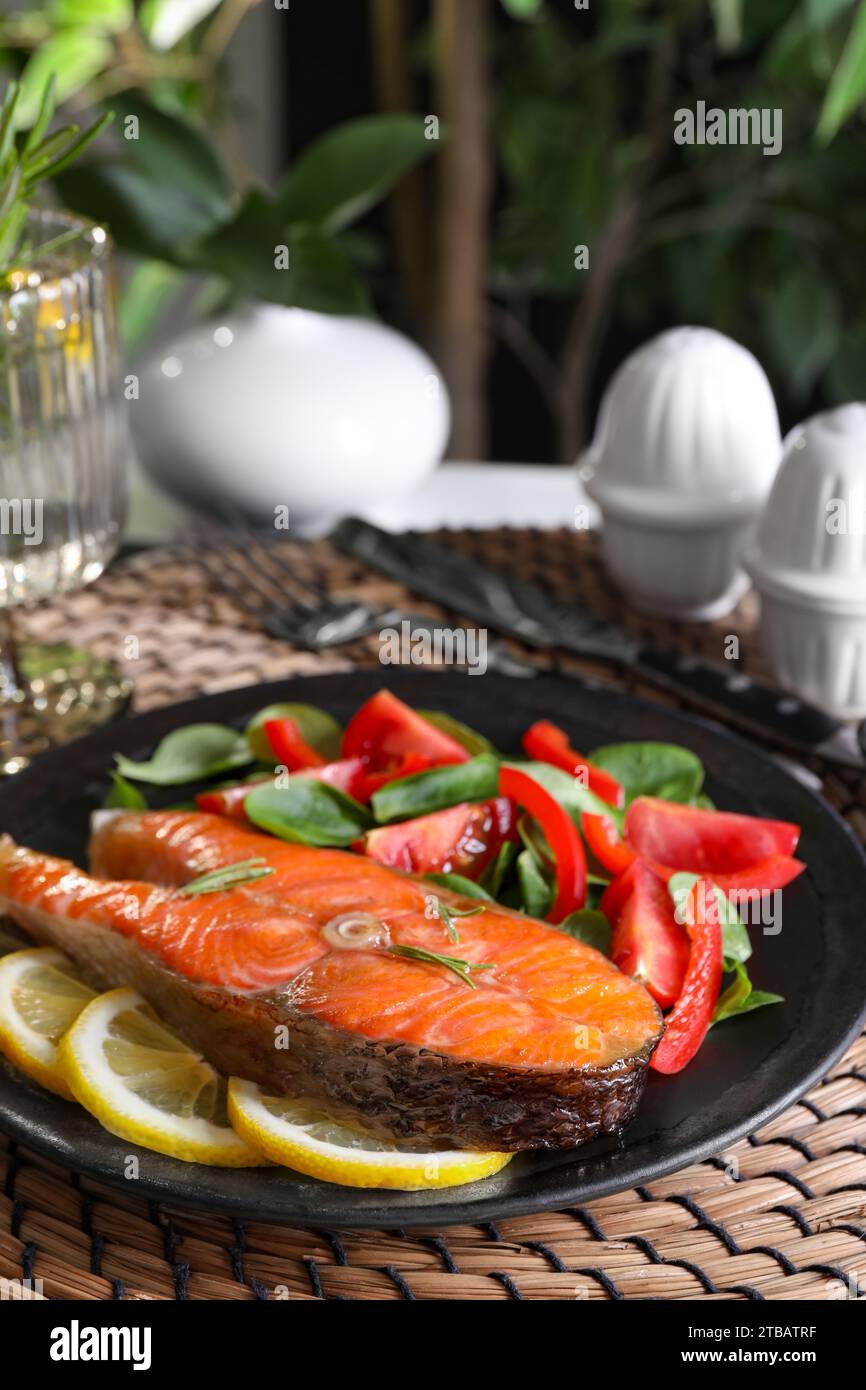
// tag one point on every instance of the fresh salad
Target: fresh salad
(620, 847)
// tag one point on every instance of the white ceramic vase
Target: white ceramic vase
(274, 407)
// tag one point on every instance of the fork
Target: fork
(294, 609)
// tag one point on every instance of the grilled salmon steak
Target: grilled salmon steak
(542, 1044)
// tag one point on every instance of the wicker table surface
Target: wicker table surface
(781, 1215)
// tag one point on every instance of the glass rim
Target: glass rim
(90, 242)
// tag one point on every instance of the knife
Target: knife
(520, 610)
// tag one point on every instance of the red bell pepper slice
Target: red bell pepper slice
(461, 839)
(704, 842)
(604, 840)
(289, 746)
(547, 743)
(385, 730)
(687, 1023)
(561, 834)
(648, 943)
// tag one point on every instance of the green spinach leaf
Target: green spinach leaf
(652, 769)
(189, 755)
(122, 795)
(536, 892)
(588, 926)
(424, 792)
(308, 813)
(741, 998)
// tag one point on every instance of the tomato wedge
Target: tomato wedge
(547, 743)
(228, 801)
(385, 730)
(776, 871)
(704, 842)
(289, 746)
(648, 942)
(561, 834)
(604, 840)
(687, 1023)
(461, 839)
(617, 893)
(404, 767)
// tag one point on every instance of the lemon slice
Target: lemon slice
(40, 996)
(143, 1084)
(291, 1133)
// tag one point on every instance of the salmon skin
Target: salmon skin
(549, 1050)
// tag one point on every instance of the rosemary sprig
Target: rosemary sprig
(460, 968)
(229, 876)
(24, 165)
(448, 914)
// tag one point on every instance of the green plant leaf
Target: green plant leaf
(652, 769)
(150, 286)
(803, 326)
(424, 792)
(167, 190)
(473, 742)
(350, 168)
(847, 87)
(317, 728)
(122, 795)
(458, 884)
(307, 812)
(589, 926)
(497, 870)
(76, 56)
(535, 891)
(319, 274)
(740, 998)
(44, 116)
(189, 755)
(109, 15)
(523, 9)
(728, 19)
(174, 151)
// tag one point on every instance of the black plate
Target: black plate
(748, 1070)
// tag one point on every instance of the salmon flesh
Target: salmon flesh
(550, 1049)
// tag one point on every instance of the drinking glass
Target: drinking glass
(64, 451)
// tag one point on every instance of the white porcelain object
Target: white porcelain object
(274, 407)
(808, 562)
(684, 455)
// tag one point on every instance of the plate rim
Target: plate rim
(451, 1208)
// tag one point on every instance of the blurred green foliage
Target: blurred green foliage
(171, 187)
(766, 248)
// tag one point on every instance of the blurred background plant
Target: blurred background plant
(174, 187)
(555, 131)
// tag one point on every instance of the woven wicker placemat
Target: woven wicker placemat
(781, 1215)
